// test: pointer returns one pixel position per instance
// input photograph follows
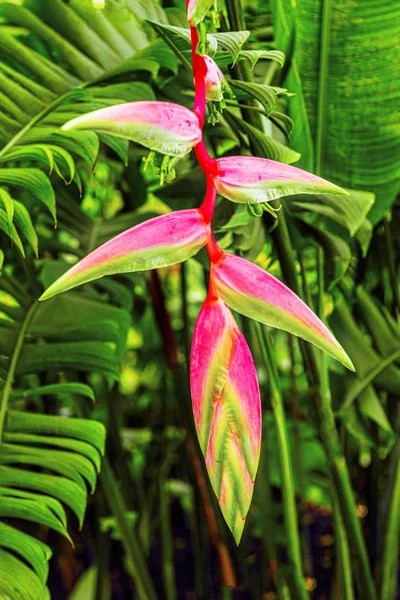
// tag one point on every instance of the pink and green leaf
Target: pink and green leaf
(161, 126)
(259, 295)
(251, 179)
(227, 409)
(159, 242)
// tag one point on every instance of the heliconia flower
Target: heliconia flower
(253, 292)
(159, 242)
(197, 10)
(227, 409)
(251, 179)
(161, 126)
(215, 80)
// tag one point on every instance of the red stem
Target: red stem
(200, 72)
(214, 251)
(207, 163)
(208, 206)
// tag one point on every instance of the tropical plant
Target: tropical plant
(330, 436)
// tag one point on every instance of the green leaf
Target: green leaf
(263, 93)
(129, 26)
(82, 36)
(38, 91)
(364, 236)
(58, 79)
(84, 144)
(337, 253)
(35, 181)
(255, 55)
(13, 235)
(125, 92)
(35, 552)
(283, 122)
(17, 504)
(80, 62)
(231, 42)
(361, 148)
(18, 581)
(86, 356)
(370, 367)
(69, 464)
(25, 103)
(83, 448)
(385, 339)
(118, 145)
(23, 221)
(51, 156)
(38, 152)
(98, 21)
(362, 419)
(92, 432)
(56, 389)
(6, 199)
(61, 488)
(266, 146)
(349, 211)
(177, 38)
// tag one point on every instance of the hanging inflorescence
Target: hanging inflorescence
(224, 387)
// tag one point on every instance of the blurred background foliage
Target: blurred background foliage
(316, 84)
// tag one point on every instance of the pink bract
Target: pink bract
(159, 242)
(250, 290)
(226, 408)
(161, 126)
(253, 179)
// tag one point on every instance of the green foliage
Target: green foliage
(345, 73)
(107, 341)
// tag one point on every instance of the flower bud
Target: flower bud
(215, 80)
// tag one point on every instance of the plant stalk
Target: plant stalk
(330, 439)
(321, 396)
(129, 538)
(166, 537)
(394, 282)
(342, 550)
(16, 353)
(390, 559)
(293, 546)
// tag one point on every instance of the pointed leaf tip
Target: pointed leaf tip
(251, 179)
(165, 240)
(259, 295)
(227, 410)
(161, 126)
